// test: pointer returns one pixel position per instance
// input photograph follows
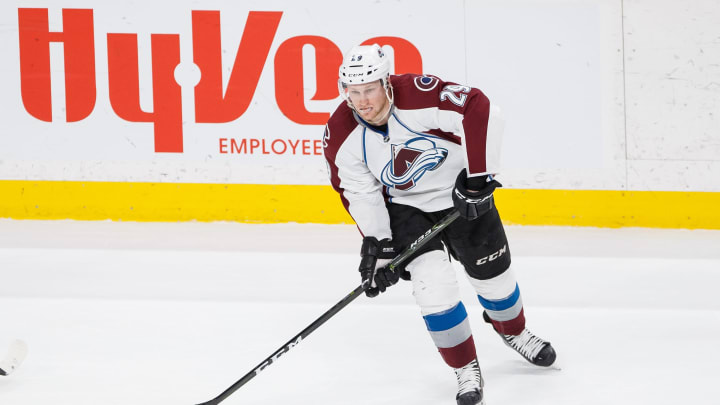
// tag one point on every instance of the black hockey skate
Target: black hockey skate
(532, 348)
(470, 384)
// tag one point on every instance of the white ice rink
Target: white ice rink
(174, 313)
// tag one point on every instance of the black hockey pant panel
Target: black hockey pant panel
(407, 224)
(480, 245)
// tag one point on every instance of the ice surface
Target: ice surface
(174, 313)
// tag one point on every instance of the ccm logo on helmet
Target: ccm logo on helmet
(492, 257)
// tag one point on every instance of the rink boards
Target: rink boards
(110, 112)
(320, 204)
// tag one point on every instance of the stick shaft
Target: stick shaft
(404, 255)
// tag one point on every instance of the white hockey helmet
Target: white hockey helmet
(365, 64)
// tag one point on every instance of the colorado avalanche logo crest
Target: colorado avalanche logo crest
(410, 161)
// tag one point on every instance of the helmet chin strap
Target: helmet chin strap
(384, 116)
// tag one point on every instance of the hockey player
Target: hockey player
(403, 151)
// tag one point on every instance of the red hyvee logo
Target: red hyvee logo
(212, 104)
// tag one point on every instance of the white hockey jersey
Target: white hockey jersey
(435, 129)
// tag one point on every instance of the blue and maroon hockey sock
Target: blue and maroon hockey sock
(450, 330)
(506, 314)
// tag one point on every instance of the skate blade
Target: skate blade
(556, 365)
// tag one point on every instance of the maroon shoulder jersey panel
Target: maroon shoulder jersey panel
(338, 128)
(417, 91)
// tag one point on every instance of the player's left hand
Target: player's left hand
(473, 197)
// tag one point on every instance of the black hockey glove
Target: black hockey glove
(384, 278)
(473, 197)
(375, 254)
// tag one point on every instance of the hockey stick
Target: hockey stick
(417, 244)
(15, 356)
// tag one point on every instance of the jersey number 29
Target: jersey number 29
(456, 93)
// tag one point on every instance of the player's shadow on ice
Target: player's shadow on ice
(515, 367)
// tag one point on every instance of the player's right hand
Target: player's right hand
(374, 255)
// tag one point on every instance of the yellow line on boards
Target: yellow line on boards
(610, 208)
(262, 203)
(170, 202)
